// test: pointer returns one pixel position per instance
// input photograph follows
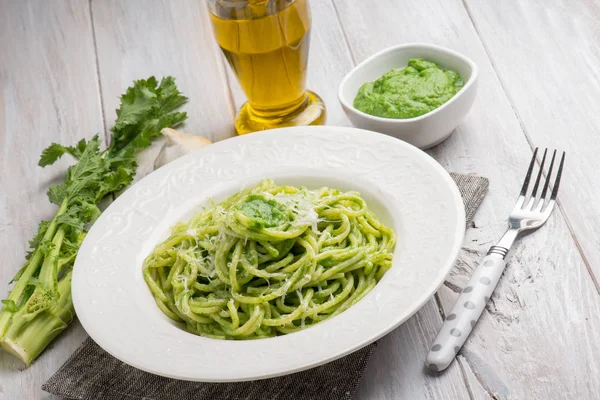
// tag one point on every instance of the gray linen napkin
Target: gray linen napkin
(93, 374)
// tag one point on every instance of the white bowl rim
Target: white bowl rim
(463, 58)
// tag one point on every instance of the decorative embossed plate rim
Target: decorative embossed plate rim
(117, 311)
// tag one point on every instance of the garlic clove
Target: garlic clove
(178, 144)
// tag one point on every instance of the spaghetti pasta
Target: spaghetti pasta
(269, 260)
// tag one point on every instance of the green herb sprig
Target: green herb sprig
(40, 306)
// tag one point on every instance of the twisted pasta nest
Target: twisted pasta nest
(269, 260)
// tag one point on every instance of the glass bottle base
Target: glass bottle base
(311, 112)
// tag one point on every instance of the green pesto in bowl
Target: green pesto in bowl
(417, 89)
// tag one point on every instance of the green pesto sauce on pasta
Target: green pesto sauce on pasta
(269, 260)
(264, 213)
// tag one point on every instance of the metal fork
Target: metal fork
(530, 212)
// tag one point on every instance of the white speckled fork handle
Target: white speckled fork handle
(466, 311)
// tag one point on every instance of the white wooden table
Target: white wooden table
(63, 64)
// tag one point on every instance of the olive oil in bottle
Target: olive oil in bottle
(266, 43)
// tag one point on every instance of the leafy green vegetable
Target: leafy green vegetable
(39, 306)
(56, 151)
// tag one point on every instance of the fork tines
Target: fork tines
(536, 200)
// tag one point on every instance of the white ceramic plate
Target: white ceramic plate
(404, 186)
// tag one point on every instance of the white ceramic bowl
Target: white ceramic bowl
(426, 130)
(409, 190)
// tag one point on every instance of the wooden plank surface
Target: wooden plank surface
(540, 327)
(537, 338)
(547, 55)
(48, 92)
